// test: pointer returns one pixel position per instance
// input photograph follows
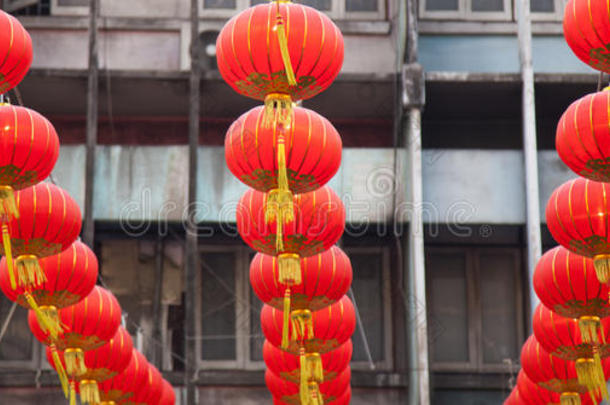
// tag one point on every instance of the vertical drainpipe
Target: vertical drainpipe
(417, 330)
(534, 245)
(192, 255)
(92, 121)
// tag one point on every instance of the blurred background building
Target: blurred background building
(465, 191)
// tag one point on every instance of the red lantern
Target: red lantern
(583, 136)
(15, 52)
(312, 152)
(515, 399)
(49, 222)
(168, 397)
(70, 277)
(291, 393)
(586, 30)
(317, 332)
(326, 277)
(150, 392)
(287, 366)
(87, 325)
(102, 364)
(578, 217)
(122, 386)
(566, 283)
(562, 338)
(280, 52)
(532, 394)
(553, 373)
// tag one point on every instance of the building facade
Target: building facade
(472, 213)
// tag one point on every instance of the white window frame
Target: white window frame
(337, 11)
(56, 9)
(463, 12)
(556, 16)
(387, 363)
(475, 361)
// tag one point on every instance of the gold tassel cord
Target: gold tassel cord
(315, 397)
(75, 362)
(52, 316)
(569, 398)
(286, 320)
(599, 372)
(72, 393)
(8, 212)
(302, 325)
(315, 371)
(6, 242)
(602, 267)
(280, 205)
(303, 389)
(89, 392)
(282, 39)
(29, 271)
(61, 371)
(43, 321)
(589, 329)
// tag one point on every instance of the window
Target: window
(474, 300)
(338, 9)
(483, 10)
(69, 7)
(230, 334)
(18, 349)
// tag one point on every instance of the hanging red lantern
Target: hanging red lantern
(121, 387)
(279, 52)
(49, 222)
(325, 278)
(102, 364)
(585, 28)
(555, 374)
(283, 162)
(287, 365)
(577, 215)
(515, 399)
(150, 392)
(317, 332)
(562, 338)
(531, 394)
(70, 277)
(291, 393)
(583, 136)
(343, 400)
(29, 148)
(87, 325)
(168, 397)
(15, 52)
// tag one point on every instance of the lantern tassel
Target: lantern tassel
(6, 242)
(278, 111)
(590, 376)
(72, 393)
(29, 271)
(302, 325)
(75, 362)
(315, 371)
(282, 39)
(602, 268)
(589, 329)
(286, 321)
(52, 317)
(315, 397)
(8, 212)
(61, 371)
(289, 269)
(598, 370)
(303, 390)
(280, 205)
(43, 321)
(89, 392)
(569, 398)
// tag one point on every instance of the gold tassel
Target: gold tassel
(289, 269)
(598, 370)
(52, 317)
(8, 252)
(278, 111)
(89, 392)
(75, 362)
(61, 371)
(286, 321)
(279, 206)
(72, 393)
(303, 390)
(302, 325)
(107, 403)
(29, 271)
(591, 377)
(602, 268)
(315, 397)
(283, 42)
(43, 321)
(589, 328)
(569, 398)
(315, 371)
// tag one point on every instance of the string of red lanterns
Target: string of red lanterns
(567, 360)
(282, 53)
(49, 272)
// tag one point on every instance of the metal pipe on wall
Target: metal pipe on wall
(530, 149)
(192, 255)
